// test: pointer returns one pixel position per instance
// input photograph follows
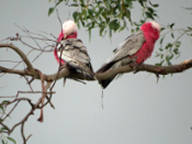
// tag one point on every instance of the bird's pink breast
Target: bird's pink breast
(150, 35)
(144, 52)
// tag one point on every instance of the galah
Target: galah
(135, 49)
(71, 51)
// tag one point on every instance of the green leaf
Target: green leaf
(1, 107)
(12, 140)
(101, 30)
(51, 10)
(172, 35)
(189, 28)
(76, 16)
(161, 56)
(90, 12)
(141, 3)
(176, 51)
(177, 44)
(162, 29)
(3, 129)
(160, 64)
(58, 2)
(128, 14)
(172, 25)
(153, 5)
(74, 5)
(168, 59)
(151, 10)
(4, 142)
(160, 49)
(149, 15)
(114, 25)
(169, 45)
(161, 40)
(82, 3)
(5, 102)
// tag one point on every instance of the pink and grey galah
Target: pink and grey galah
(135, 49)
(71, 51)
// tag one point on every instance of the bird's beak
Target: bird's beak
(61, 36)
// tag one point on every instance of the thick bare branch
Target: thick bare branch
(160, 70)
(13, 71)
(164, 70)
(58, 75)
(64, 72)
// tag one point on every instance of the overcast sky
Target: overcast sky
(136, 108)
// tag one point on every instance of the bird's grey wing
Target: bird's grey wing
(75, 54)
(129, 46)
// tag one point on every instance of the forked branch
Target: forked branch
(48, 82)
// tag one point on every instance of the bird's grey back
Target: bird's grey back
(129, 46)
(74, 50)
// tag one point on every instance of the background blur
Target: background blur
(137, 109)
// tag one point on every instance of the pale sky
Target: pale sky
(136, 108)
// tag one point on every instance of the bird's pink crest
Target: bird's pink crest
(69, 27)
(151, 30)
(155, 25)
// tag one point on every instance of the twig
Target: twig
(59, 19)
(20, 53)
(9, 61)
(12, 109)
(22, 133)
(28, 83)
(7, 97)
(43, 95)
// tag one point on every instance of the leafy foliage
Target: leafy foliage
(3, 105)
(169, 50)
(111, 16)
(108, 15)
(7, 140)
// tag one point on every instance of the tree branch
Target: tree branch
(48, 82)
(164, 70)
(160, 70)
(20, 53)
(64, 72)
(34, 74)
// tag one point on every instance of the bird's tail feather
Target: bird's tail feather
(105, 67)
(104, 83)
(87, 74)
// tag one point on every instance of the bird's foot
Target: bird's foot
(62, 66)
(134, 66)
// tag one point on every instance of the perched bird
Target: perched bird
(135, 49)
(72, 52)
